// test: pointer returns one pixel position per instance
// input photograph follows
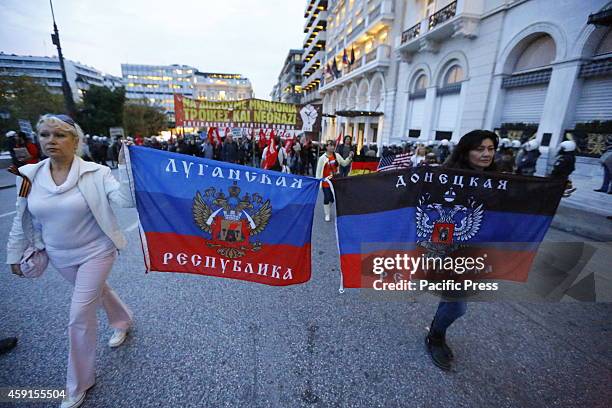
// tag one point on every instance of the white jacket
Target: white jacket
(99, 188)
(323, 160)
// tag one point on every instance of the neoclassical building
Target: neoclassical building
(524, 68)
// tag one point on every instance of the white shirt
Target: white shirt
(70, 232)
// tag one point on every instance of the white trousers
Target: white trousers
(90, 291)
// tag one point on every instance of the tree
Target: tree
(139, 117)
(23, 97)
(101, 109)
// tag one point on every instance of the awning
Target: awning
(603, 18)
(357, 113)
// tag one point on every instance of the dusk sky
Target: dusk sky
(249, 37)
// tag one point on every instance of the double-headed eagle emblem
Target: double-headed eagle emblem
(231, 220)
(441, 228)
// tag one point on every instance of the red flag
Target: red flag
(271, 137)
(211, 138)
(213, 135)
(339, 139)
(272, 154)
(262, 139)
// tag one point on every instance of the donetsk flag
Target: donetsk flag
(445, 216)
(214, 218)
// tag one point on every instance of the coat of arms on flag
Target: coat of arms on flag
(231, 220)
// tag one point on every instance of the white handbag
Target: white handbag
(33, 262)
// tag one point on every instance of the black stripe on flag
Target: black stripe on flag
(376, 192)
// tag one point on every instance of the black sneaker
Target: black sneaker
(440, 353)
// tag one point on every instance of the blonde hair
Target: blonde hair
(54, 121)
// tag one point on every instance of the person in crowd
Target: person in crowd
(229, 151)
(505, 161)
(371, 151)
(527, 158)
(218, 150)
(293, 160)
(475, 151)
(443, 150)
(16, 146)
(85, 153)
(31, 148)
(208, 149)
(297, 150)
(11, 141)
(419, 156)
(328, 167)
(565, 164)
(430, 160)
(274, 157)
(565, 161)
(113, 152)
(94, 148)
(345, 149)
(103, 151)
(606, 163)
(70, 202)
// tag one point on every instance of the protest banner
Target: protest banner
(247, 113)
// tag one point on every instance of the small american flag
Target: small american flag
(394, 162)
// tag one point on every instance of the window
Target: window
(539, 53)
(453, 75)
(420, 84)
(605, 46)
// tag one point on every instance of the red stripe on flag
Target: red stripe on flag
(507, 265)
(171, 252)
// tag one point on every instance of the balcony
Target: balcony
(311, 97)
(382, 12)
(310, 5)
(319, 20)
(311, 65)
(320, 39)
(455, 20)
(378, 59)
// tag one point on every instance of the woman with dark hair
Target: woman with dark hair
(475, 151)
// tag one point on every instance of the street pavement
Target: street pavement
(209, 342)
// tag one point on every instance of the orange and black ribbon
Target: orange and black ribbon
(26, 185)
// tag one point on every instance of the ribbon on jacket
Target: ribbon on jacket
(26, 185)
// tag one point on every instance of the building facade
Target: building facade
(360, 69)
(289, 86)
(48, 71)
(157, 84)
(314, 49)
(524, 68)
(222, 87)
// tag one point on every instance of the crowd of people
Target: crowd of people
(299, 155)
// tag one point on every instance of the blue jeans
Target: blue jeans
(606, 185)
(447, 313)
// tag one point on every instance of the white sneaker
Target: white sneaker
(118, 338)
(73, 402)
(327, 218)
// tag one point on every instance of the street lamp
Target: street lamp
(68, 100)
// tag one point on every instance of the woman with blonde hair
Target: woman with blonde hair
(67, 213)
